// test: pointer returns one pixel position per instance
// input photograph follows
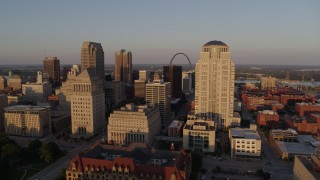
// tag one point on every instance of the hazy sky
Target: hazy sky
(259, 32)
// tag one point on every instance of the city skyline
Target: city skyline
(259, 33)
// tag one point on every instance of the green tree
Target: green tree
(10, 151)
(50, 151)
(34, 145)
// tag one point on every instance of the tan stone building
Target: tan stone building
(144, 75)
(214, 84)
(87, 104)
(133, 124)
(3, 83)
(244, 142)
(199, 135)
(14, 82)
(159, 93)
(306, 167)
(25, 120)
(35, 92)
(92, 56)
(268, 82)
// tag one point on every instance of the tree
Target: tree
(50, 151)
(10, 151)
(34, 145)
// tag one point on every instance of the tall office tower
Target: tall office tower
(159, 93)
(87, 104)
(51, 65)
(173, 74)
(214, 93)
(144, 75)
(3, 83)
(92, 56)
(140, 89)
(3, 104)
(123, 66)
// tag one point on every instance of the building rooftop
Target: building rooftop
(27, 107)
(199, 125)
(244, 133)
(288, 132)
(295, 148)
(176, 124)
(309, 164)
(215, 43)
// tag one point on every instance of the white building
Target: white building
(24, 120)
(134, 124)
(199, 136)
(244, 142)
(87, 104)
(35, 92)
(159, 93)
(214, 84)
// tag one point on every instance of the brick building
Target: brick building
(304, 124)
(304, 109)
(268, 118)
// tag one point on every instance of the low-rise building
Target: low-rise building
(244, 142)
(268, 82)
(23, 120)
(132, 163)
(19, 99)
(175, 129)
(35, 92)
(304, 146)
(304, 124)
(289, 135)
(268, 118)
(199, 135)
(304, 109)
(306, 167)
(134, 124)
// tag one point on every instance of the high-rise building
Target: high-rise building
(51, 65)
(173, 74)
(144, 75)
(214, 88)
(87, 104)
(159, 93)
(114, 93)
(133, 123)
(25, 120)
(123, 66)
(140, 88)
(92, 56)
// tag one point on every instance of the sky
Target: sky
(271, 32)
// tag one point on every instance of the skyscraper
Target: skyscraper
(123, 66)
(173, 74)
(51, 65)
(159, 93)
(87, 104)
(92, 56)
(214, 84)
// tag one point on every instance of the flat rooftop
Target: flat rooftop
(295, 148)
(244, 133)
(27, 107)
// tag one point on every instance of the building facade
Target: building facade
(36, 92)
(51, 65)
(87, 104)
(140, 88)
(114, 93)
(268, 118)
(244, 142)
(159, 93)
(173, 74)
(3, 83)
(136, 162)
(14, 82)
(123, 67)
(3, 104)
(92, 56)
(268, 82)
(214, 84)
(304, 109)
(199, 135)
(144, 75)
(306, 167)
(24, 120)
(134, 124)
